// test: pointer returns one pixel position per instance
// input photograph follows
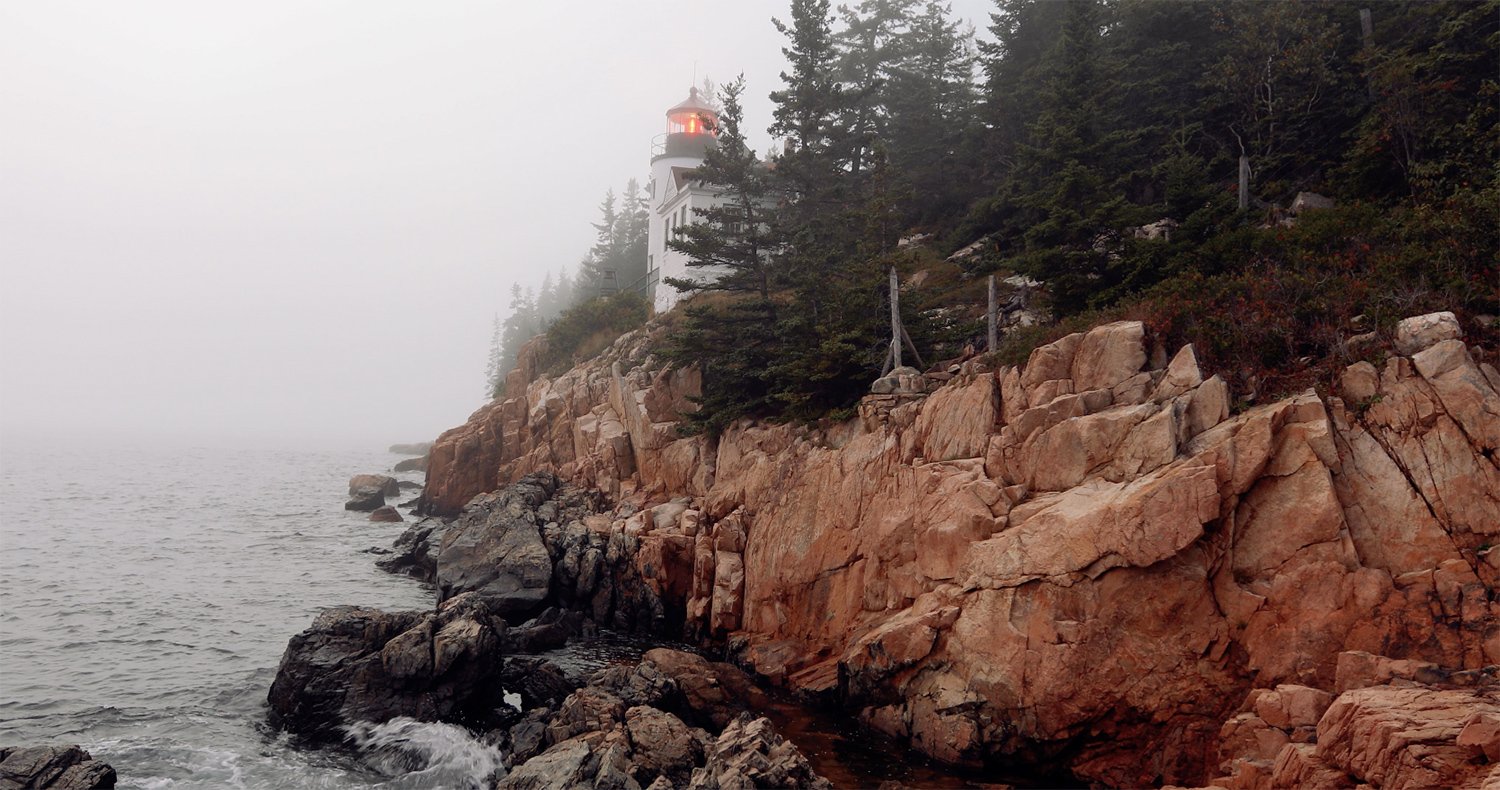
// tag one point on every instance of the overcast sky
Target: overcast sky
(293, 221)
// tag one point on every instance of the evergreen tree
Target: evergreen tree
(1066, 217)
(634, 225)
(519, 326)
(606, 253)
(1425, 133)
(494, 373)
(734, 342)
(1277, 92)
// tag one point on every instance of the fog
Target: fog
(292, 222)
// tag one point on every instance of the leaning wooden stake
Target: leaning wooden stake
(993, 317)
(895, 321)
(912, 347)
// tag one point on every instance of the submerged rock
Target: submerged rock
(52, 768)
(356, 664)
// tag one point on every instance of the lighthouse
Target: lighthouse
(691, 126)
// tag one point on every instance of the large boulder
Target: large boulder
(1423, 331)
(52, 768)
(388, 485)
(357, 664)
(386, 514)
(713, 693)
(365, 499)
(495, 549)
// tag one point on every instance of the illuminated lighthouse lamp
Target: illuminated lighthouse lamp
(693, 116)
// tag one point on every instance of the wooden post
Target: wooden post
(1244, 182)
(895, 321)
(993, 335)
(912, 347)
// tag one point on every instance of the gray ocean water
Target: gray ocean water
(147, 593)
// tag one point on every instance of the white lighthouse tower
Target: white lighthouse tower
(691, 128)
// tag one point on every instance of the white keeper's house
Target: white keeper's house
(675, 155)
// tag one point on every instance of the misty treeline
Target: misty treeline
(619, 247)
(1078, 123)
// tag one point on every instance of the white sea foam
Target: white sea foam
(426, 754)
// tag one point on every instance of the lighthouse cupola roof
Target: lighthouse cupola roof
(692, 116)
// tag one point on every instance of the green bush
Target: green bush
(587, 329)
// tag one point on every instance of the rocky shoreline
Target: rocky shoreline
(1085, 561)
(527, 554)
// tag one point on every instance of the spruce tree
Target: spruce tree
(733, 341)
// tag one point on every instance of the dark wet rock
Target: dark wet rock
(386, 514)
(411, 465)
(539, 681)
(385, 483)
(547, 631)
(407, 485)
(365, 499)
(749, 754)
(664, 745)
(495, 549)
(357, 664)
(529, 545)
(642, 684)
(53, 768)
(601, 737)
(415, 552)
(562, 767)
(713, 693)
(589, 709)
(528, 737)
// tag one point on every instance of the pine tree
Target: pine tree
(520, 325)
(605, 255)
(733, 342)
(634, 224)
(1276, 90)
(494, 373)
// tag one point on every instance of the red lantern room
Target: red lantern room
(693, 116)
(691, 129)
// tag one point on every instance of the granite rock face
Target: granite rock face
(1399, 732)
(1087, 558)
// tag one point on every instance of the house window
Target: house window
(683, 219)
